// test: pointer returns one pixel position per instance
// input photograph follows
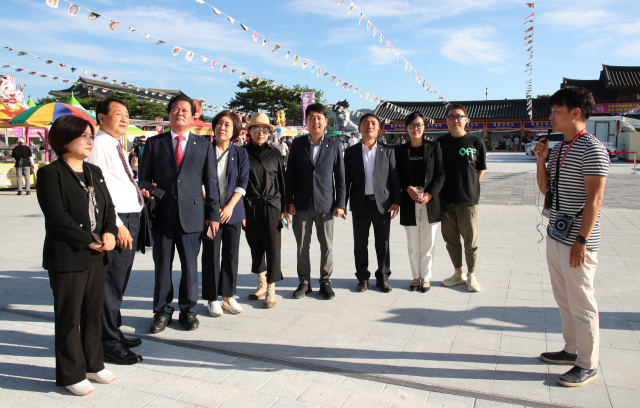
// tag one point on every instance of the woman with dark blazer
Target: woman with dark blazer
(266, 207)
(422, 207)
(80, 225)
(220, 268)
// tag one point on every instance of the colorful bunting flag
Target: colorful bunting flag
(242, 74)
(52, 3)
(252, 77)
(93, 16)
(287, 55)
(189, 56)
(112, 25)
(360, 19)
(375, 31)
(255, 37)
(213, 64)
(204, 59)
(147, 36)
(73, 9)
(295, 60)
(244, 27)
(264, 41)
(332, 78)
(368, 25)
(222, 68)
(175, 51)
(381, 38)
(275, 47)
(21, 53)
(232, 71)
(215, 10)
(351, 7)
(160, 42)
(231, 20)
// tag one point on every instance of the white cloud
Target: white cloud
(569, 19)
(392, 8)
(473, 45)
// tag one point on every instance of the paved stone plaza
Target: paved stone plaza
(444, 348)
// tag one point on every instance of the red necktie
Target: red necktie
(179, 152)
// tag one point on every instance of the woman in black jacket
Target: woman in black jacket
(421, 173)
(265, 208)
(80, 225)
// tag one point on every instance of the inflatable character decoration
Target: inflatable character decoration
(281, 119)
(11, 99)
(344, 123)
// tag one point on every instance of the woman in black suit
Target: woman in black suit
(220, 255)
(265, 208)
(421, 173)
(80, 225)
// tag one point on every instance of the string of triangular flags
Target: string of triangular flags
(528, 38)
(408, 67)
(74, 10)
(60, 65)
(27, 71)
(295, 57)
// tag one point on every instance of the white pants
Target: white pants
(421, 240)
(575, 296)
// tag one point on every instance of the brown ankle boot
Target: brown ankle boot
(270, 299)
(262, 288)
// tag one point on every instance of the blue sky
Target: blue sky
(459, 46)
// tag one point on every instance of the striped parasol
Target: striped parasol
(43, 115)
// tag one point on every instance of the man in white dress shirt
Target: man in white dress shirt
(109, 155)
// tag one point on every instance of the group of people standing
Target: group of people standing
(200, 193)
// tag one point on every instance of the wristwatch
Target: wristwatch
(581, 240)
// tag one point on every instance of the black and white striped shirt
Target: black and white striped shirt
(587, 157)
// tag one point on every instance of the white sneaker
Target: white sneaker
(103, 376)
(232, 306)
(80, 389)
(214, 308)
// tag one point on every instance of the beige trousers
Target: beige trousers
(421, 242)
(463, 222)
(575, 296)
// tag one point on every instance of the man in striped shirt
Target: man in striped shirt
(576, 175)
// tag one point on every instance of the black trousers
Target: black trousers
(264, 239)
(220, 269)
(78, 298)
(164, 247)
(117, 279)
(362, 221)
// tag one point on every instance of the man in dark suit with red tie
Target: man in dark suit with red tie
(180, 163)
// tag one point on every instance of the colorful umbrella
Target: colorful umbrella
(43, 115)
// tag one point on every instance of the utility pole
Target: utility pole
(486, 95)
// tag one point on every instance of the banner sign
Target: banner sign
(504, 126)
(537, 125)
(437, 127)
(394, 127)
(308, 98)
(474, 126)
(620, 107)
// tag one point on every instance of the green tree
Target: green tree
(543, 96)
(254, 97)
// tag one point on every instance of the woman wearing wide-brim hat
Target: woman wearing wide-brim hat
(265, 206)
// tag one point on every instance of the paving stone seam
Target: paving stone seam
(326, 369)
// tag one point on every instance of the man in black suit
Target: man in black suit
(373, 187)
(180, 163)
(315, 193)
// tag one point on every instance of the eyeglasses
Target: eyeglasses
(456, 117)
(258, 130)
(416, 126)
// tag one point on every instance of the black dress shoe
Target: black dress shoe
(384, 286)
(19, 192)
(326, 291)
(559, 357)
(28, 192)
(189, 321)
(159, 323)
(362, 286)
(577, 377)
(123, 356)
(131, 342)
(303, 289)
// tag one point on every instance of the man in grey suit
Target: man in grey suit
(373, 187)
(180, 163)
(315, 193)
